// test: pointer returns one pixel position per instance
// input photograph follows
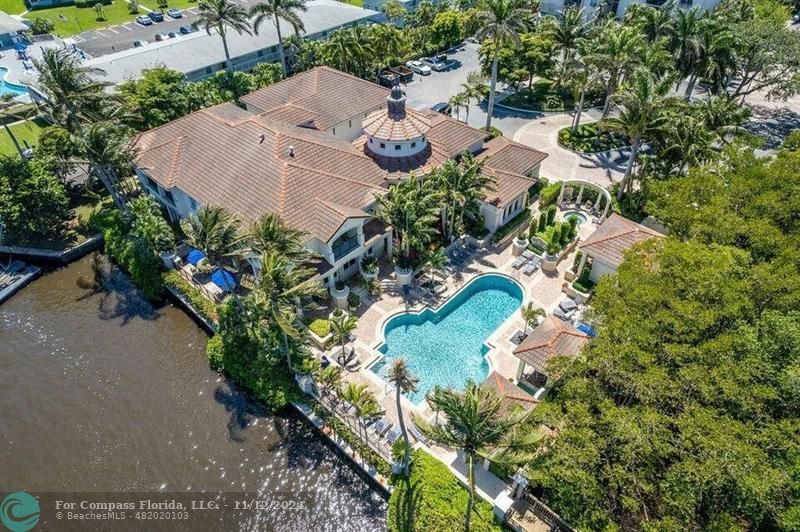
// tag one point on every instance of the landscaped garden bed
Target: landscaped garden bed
(591, 138)
(543, 95)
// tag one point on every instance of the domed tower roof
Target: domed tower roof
(396, 123)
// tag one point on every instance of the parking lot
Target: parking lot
(427, 91)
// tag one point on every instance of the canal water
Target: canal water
(101, 392)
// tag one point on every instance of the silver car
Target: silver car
(419, 68)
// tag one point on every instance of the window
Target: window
(261, 53)
(324, 281)
(168, 195)
(370, 141)
(152, 184)
(349, 123)
(334, 131)
(194, 204)
(383, 145)
(397, 147)
(413, 144)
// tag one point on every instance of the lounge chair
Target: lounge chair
(530, 268)
(417, 434)
(567, 305)
(393, 435)
(440, 289)
(383, 425)
(528, 254)
(518, 262)
(566, 316)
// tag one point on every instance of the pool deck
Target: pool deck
(543, 289)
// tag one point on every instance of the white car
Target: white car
(419, 68)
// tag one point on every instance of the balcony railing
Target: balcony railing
(344, 247)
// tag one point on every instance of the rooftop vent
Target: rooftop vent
(291, 151)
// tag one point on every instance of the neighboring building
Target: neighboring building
(409, 5)
(10, 29)
(552, 338)
(605, 248)
(282, 155)
(198, 55)
(618, 7)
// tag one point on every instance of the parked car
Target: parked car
(161, 36)
(434, 63)
(144, 20)
(139, 44)
(174, 13)
(172, 35)
(442, 107)
(185, 30)
(418, 68)
(155, 16)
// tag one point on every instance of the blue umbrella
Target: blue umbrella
(195, 256)
(586, 329)
(224, 279)
(20, 46)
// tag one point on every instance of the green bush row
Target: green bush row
(320, 327)
(590, 138)
(201, 304)
(366, 452)
(511, 225)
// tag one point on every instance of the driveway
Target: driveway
(121, 37)
(542, 133)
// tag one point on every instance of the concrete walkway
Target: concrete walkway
(542, 133)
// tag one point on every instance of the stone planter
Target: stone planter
(368, 277)
(569, 275)
(549, 263)
(520, 245)
(404, 276)
(339, 297)
(168, 259)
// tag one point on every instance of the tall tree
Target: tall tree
(219, 15)
(279, 287)
(411, 208)
(277, 10)
(642, 103)
(502, 22)
(404, 382)
(615, 50)
(342, 327)
(270, 233)
(567, 32)
(108, 150)
(687, 45)
(214, 231)
(73, 92)
(472, 422)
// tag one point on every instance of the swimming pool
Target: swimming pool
(582, 218)
(6, 87)
(447, 346)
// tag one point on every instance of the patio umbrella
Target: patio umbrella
(20, 46)
(224, 279)
(195, 256)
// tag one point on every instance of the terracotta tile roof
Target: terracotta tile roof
(551, 338)
(615, 236)
(509, 162)
(451, 135)
(420, 164)
(245, 166)
(321, 98)
(381, 125)
(513, 396)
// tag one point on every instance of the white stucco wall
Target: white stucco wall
(600, 268)
(406, 148)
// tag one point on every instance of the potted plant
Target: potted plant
(520, 244)
(339, 293)
(550, 259)
(369, 268)
(404, 271)
(353, 301)
(336, 314)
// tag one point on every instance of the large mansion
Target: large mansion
(317, 149)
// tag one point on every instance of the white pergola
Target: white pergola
(601, 193)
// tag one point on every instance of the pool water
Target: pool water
(582, 218)
(6, 87)
(447, 346)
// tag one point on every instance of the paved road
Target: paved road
(121, 37)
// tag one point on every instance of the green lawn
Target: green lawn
(71, 20)
(12, 7)
(24, 132)
(180, 4)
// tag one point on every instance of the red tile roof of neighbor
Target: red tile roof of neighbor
(320, 98)
(509, 162)
(513, 396)
(615, 236)
(551, 338)
(245, 166)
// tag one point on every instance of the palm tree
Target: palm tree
(404, 382)
(394, 11)
(457, 101)
(280, 285)
(288, 10)
(614, 51)
(214, 231)
(474, 89)
(655, 22)
(149, 225)
(108, 150)
(687, 45)
(342, 326)
(217, 15)
(343, 51)
(530, 313)
(435, 260)
(473, 422)
(642, 104)
(388, 45)
(501, 21)
(568, 32)
(582, 77)
(270, 233)
(722, 116)
(72, 92)
(9, 111)
(362, 399)
(329, 378)
(411, 208)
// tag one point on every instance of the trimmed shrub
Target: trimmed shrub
(542, 222)
(201, 304)
(573, 226)
(320, 327)
(577, 261)
(433, 500)
(564, 231)
(549, 195)
(551, 214)
(353, 300)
